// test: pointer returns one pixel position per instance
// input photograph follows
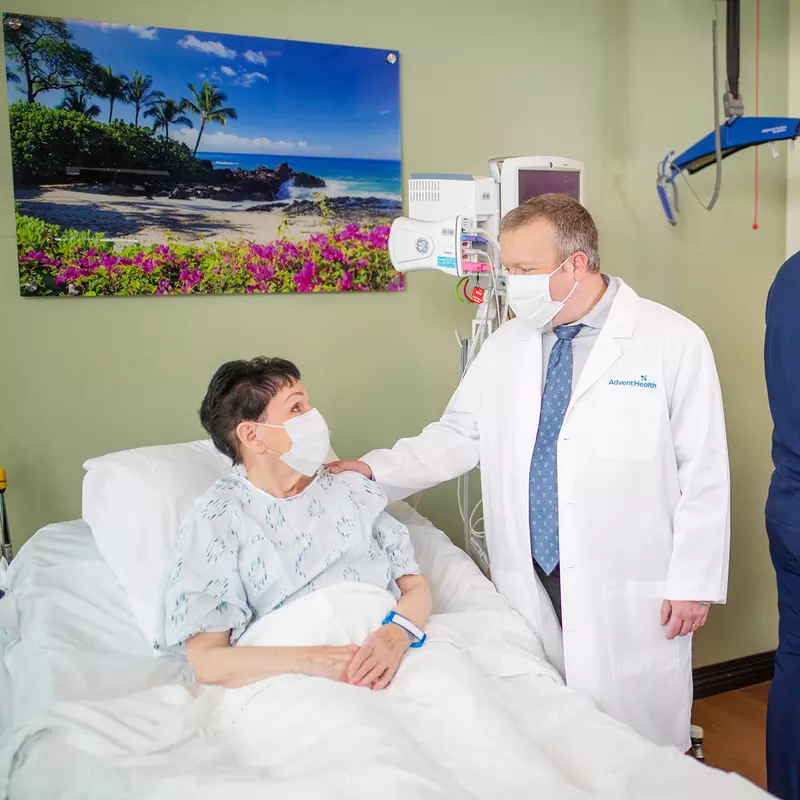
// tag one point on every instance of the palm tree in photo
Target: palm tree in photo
(141, 94)
(166, 112)
(207, 103)
(111, 87)
(79, 101)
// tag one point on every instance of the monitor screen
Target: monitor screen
(533, 182)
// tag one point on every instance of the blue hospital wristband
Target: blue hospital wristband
(407, 625)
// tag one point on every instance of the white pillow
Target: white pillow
(134, 502)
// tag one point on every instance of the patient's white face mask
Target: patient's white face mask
(530, 298)
(311, 442)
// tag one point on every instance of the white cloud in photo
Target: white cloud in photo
(255, 57)
(191, 42)
(142, 31)
(242, 78)
(211, 75)
(384, 112)
(222, 142)
(247, 79)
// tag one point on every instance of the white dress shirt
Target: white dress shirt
(584, 341)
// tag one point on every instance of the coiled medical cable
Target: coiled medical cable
(717, 133)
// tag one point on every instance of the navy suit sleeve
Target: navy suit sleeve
(782, 370)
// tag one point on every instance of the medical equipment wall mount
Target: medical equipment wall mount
(458, 247)
(737, 133)
(453, 227)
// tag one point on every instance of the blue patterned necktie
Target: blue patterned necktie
(543, 509)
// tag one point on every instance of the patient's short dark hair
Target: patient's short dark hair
(240, 391)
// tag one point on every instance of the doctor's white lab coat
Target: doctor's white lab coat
(643, 499)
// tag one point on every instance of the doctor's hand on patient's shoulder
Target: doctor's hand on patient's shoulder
(337, 467)
(683, 616)
(377, 661)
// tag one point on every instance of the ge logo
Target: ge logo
(422, 245)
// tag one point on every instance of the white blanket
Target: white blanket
(475, 713)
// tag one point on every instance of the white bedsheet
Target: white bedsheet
(476, 713)
(70, 633)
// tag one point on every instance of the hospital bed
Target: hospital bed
(82, 691)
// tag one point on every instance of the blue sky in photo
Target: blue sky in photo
(291, 97)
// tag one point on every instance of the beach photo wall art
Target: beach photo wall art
(154, 161)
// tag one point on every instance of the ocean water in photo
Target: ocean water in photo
(345, 177)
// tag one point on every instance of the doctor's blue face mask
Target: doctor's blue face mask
(531, 300)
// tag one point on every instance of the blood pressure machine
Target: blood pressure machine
(454, 227)
(419, 241)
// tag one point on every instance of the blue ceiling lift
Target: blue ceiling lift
(737, 133)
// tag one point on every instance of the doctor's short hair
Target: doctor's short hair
(240, 391)
(573, 227)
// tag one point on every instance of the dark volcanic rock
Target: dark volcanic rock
(306, 181)
(230, 196)
(221, 176)
(303, 208)
(253, 185)
(239, 184)
(344, 206)
(267, 207)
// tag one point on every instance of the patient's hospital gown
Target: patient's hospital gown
(241, 553)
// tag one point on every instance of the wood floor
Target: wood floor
(734, 725)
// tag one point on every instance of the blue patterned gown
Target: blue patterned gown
(241, 553)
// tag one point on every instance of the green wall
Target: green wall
(614, 83)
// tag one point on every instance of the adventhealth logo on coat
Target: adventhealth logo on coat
(642, 383)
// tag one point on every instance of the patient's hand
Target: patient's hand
(377, 661)
(337, 467)
(330, 662)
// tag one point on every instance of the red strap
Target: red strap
(758, 62)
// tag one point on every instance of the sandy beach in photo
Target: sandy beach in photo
(149, 220)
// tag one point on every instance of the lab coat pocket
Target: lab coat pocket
(628, 425)
(637, 642)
